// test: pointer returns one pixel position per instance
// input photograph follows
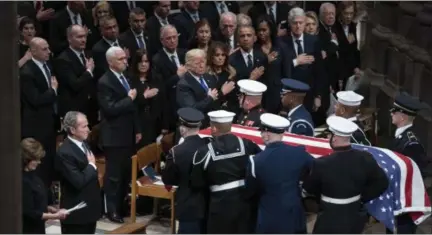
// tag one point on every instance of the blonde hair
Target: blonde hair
(99, 5)
(312, 15)
(31, 150)
(192, 54)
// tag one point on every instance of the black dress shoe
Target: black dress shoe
(114, 217)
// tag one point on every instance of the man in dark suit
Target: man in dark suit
(135, 37)
(77, 89)
(73, 13)
(154, 24)
(122, 10)
(226, 30)
(79, 177)
(39, 118)
(186, 20)
(212, 10)
(110, 33)
(119, 130)
(168, 63)
(197, 89)
(307, 65)
(277, 12)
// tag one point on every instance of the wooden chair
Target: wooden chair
(145, 187)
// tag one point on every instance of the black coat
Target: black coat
(130, 42)
(34, 203)
(349, 53)
(185, 27)
(98, 54)
(79, 183)
(153, 27)
(211, 13)
(119, 123)
(259, 9)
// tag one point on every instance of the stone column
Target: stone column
(10, 160)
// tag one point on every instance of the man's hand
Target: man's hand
(304, 59)
(351, 38)
(91, 158)
(227, 87)
(257, 73)
(138, 138)
(43, 15)
(90, 64)
(280, 31)
(181, 71)
(317, 103)
(324, 54)
(272, 56)
(132, 94)
(54, 83)
(334, 37)
(213, 93)
(149, 93)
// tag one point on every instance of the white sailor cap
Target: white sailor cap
(221, 116)
(341, 126)
(251, 87)
(273, 123)
(349, 98)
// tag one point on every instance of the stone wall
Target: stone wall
(397, 56)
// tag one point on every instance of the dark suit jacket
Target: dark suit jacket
(348, 53)
(218, 36)
(130, 41)
(243, 72)
(76, 85)
(118, 112)
(332, 61)
(98, 53)
(60, 23)
(209, 9)
(121, 12)
(153, 30)
(190, 93)
(38, 118)
(260, 9)
(185, 27)
(79, 183)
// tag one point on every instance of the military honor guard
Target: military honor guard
(292, 94)
(274, 175)
(220, 167)
(344, 181)
(190, 205)
(250, 102)
(405, 109)
(347, 106)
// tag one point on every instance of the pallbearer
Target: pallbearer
(250, 102)
(220, 167)
(344, 181)
(293, 93)
(274, 176)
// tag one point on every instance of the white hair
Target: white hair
(295, 12)
(70, 120)
(110, 53)
(194, 53)
(243, 19)
(229, 15)
(324, 6)
(165, 28)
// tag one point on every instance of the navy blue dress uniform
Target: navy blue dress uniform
(248, 88)
(274, 175)
(352, 99)
(343, 181)
(220, 167)
(190, 205)
(299, 117)
(406, 143)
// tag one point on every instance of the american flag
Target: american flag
(405, 194)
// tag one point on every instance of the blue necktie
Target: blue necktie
(203, 84)
(124, 83)
(141, 42)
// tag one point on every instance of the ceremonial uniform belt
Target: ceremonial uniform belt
(340, 201)
(230, 185)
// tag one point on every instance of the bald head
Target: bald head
(169, 37)
(77, 37)
(39, 49)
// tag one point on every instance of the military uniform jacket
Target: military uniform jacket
(274, 176)
(359, 136)
(190, 204)
(250, 118)
(346, 174)
(222, 161)
(300, 121)
(407, 143)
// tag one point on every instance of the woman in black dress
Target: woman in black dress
(218, 66)
(35, 209)
(279, 66)
(149, 101)
(27, 31)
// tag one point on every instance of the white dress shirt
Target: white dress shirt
(41, 67)
(78, 54)
(79, 144)
(273, 8)
(246, 54)
(177, 61)
(118, 76)
(71, 16)
(301, 38)
(400, 130)
(218, 6)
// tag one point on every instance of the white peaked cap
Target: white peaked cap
(349, 98)
(251, 87)
(341, 126)
(273, 123)
(221, 116)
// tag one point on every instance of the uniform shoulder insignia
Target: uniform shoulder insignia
(411, 136)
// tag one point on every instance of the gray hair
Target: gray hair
(110, 53)
(324, 6)
(70, 120)
(165, 28)
(295, 12)
(194, 53)
(244, 20)
(229, 15)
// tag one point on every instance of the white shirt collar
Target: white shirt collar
(245, 54)
(170, 54)
(111, 42)
(71, 15)
(300, 38)
(140, 34)
(160, 19)
(78, 53)
(77, 142)
(116, 74)
(293, 110)
(38, 63)
(400, 130)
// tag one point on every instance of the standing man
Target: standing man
(293, 94)
(250, 102)
(403, 113)
(274, 176)
(79, 177)
(135, 37)
(190, 204)
(39, 118)
(347, 106)
(344, 181)
(119, 130)
(220, 167)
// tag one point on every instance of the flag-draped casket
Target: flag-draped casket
(406, 192)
